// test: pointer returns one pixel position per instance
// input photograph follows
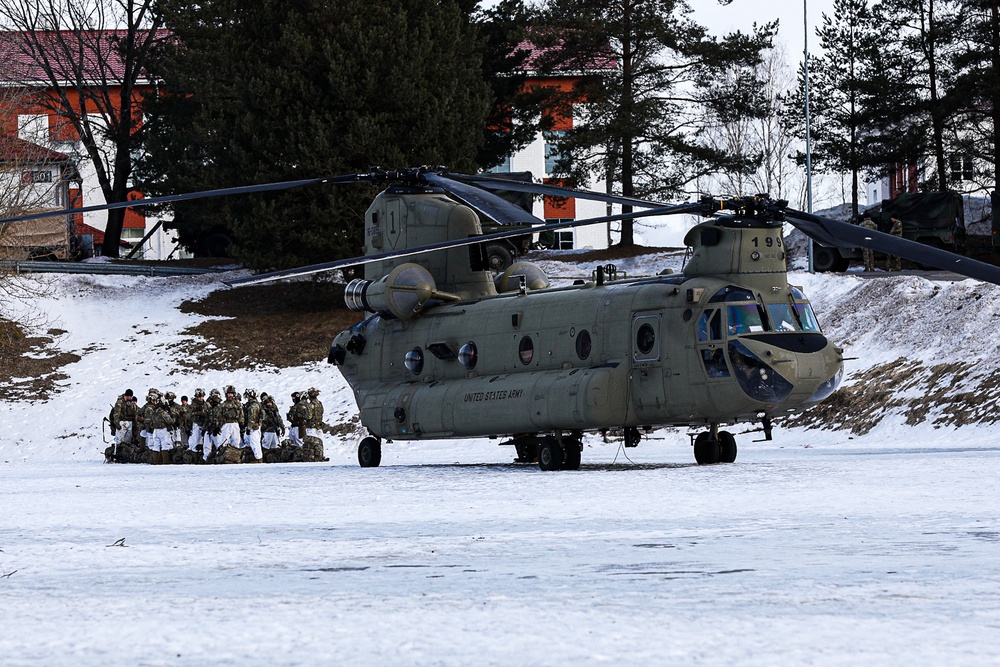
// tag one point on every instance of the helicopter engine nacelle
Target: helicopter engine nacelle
(522, 276)
(402, 294)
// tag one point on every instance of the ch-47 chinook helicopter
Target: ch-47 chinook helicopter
(452, 351)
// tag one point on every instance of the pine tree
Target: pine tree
(977, 89)
(928, 32)
(648, 82)
(837, 92)
(275, 91)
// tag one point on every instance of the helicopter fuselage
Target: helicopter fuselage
(670, 350)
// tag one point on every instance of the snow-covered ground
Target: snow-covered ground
(819, 547)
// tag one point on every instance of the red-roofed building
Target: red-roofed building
(36, 179)
(30, 116)
(540, 156)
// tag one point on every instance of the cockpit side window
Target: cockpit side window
(710, 325)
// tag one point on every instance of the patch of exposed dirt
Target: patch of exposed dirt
(29, 365)
(952, 394)
(281, 325)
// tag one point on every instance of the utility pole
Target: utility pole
(809, 190)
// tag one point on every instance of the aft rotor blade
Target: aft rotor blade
(554, 190)
(484, 202)
(458, 243)
(204, 194)
(846, 235)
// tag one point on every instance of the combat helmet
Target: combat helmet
(313, 392)
(264, 396)
(170, 396)
(154, 394)
(215, 394)
(199, 393)
(230, 389)
(250, 394)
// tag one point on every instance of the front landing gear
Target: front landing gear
(370, 452)
(714, 446)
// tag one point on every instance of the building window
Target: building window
(133, 233)
(961, 168)
(33, 128)
(502, 168)
(553, 153)
(560, 239)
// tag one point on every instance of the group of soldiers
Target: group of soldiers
(892, 262)
(214, 429)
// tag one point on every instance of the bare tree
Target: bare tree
(766, 138)
(86, 63)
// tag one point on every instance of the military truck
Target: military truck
(934, 218)
(503, 253)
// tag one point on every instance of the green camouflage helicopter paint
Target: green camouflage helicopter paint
(450, 352)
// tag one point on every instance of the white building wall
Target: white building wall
(532, 158)
(35, 128)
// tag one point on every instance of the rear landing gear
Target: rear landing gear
(560, 453)
(714, 447)
(550, 454)
(370, 453)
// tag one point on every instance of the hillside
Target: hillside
(919, 352)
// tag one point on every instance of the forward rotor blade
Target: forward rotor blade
(846, 235)
(483, 202)
(221, 192)
(554, 190)
(698, 207)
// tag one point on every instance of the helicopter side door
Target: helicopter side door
(648, 396)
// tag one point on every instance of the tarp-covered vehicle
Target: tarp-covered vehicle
(46, 237)
(934, 218)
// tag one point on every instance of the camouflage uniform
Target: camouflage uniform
(231, 417)
(213, 423)
(157, 421)
(196, 419)
(895, 262)
(123, 418)
(315, 413)
(177, 414)
(271, 425)
(298, 416)
(252, 417)
(869, 224)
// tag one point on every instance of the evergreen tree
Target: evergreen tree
(977, 89)
(647, 77)
(515, 116)
(838, 93)
(273, 91)
(928, 32)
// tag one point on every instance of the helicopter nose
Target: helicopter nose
(801, 367)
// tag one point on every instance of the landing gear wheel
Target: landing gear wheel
(571, 456)
(706, 449)
(550, 454)
(727, 447)
(499, 257)
(370, 453)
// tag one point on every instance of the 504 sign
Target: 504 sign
(39, 176)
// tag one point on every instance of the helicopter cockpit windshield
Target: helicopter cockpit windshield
(745, 315)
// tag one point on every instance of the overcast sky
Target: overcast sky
(742, 14)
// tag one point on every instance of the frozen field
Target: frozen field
(860, 552)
